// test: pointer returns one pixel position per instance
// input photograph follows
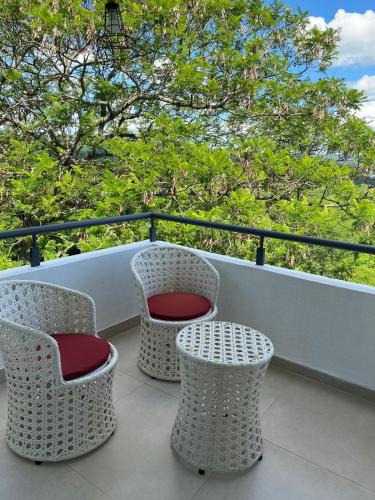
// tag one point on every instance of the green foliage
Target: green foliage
(208, 110)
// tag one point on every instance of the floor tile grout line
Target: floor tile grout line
(123, 372)
(88, 481)
(199, 488)
(147, 382)
(110, 497)
(115, 401)
(161, 390)
(142, 382)
(320, 465)
(285, 388)
(271, 404)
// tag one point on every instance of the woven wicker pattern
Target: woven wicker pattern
(225, 344)
(223, 365)
(50, 419)
(162, 269)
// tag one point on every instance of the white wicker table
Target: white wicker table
(217, 426)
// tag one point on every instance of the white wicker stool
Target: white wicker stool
(217, 427)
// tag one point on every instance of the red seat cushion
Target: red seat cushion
(178, 306)
(81, 353)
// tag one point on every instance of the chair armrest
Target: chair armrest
(62, 310)
(204, 281)
(212, 283)
(141, 294)
(29, 355)
(77, 313)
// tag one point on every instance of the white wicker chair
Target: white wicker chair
(50, 419)
(163, 269)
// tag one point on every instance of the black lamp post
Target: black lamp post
(113, 25)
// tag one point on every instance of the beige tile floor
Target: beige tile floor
(319, 445)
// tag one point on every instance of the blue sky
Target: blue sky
(328, 8)
(356, 61)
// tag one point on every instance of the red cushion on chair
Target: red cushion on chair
(178, 306)
(80, 353)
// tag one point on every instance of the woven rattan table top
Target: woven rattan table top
(223, 343)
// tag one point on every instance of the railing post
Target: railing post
(260, 252)
(152, 232)
(34, 253)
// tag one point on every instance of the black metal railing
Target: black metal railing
(263, 234)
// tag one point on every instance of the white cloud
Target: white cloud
(367, 112)
(318, 22)
(357, 32)
(367, 85)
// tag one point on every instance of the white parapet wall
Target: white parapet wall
(323, 324)
(320, 323)
(104, 275)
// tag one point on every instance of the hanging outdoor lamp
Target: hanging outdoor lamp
(114, 33)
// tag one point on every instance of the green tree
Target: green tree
(220, 109)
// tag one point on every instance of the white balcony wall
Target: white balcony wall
(323, 324)
(104, 275)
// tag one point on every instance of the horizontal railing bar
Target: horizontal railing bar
(267, 233)
(66, 226)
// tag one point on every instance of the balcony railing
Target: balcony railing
(153, 217)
